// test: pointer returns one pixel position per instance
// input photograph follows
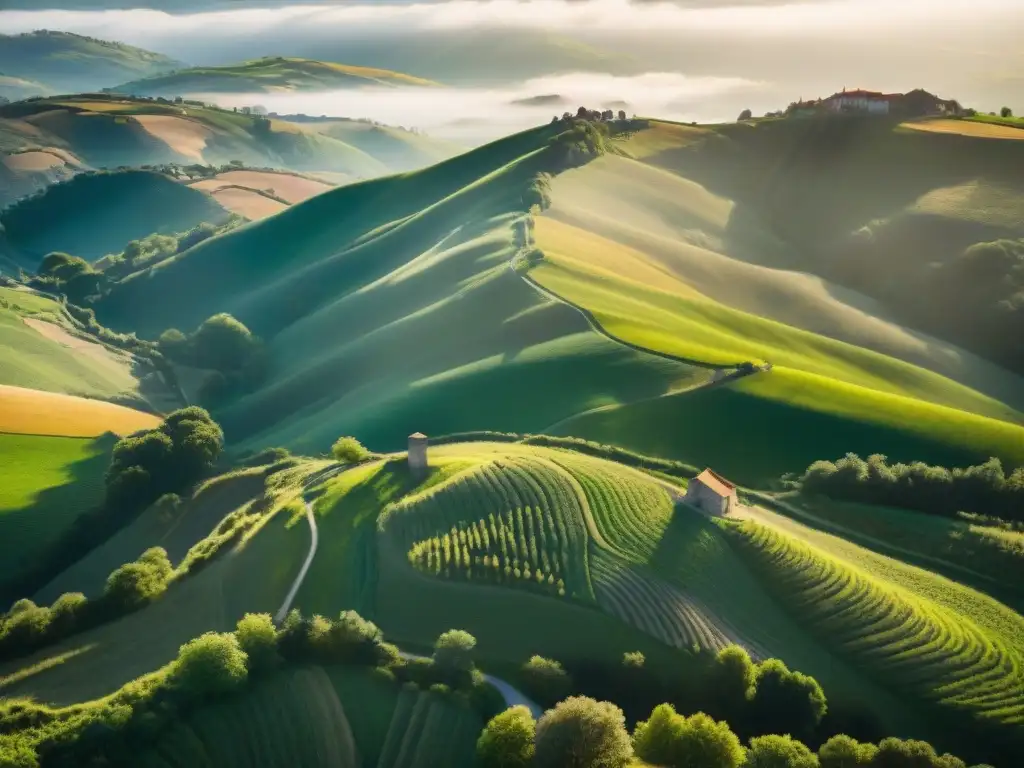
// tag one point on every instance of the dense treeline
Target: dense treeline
(985, 489)
(144, 467)
(581, 732)
(155, 248)
(114, 731)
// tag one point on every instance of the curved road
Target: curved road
(513, 697)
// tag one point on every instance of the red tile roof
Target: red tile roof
(716, 483)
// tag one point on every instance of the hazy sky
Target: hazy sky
(965, 49)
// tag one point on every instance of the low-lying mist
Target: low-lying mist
(476, 115)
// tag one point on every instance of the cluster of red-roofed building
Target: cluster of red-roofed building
(916, 103)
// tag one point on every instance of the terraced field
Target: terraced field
(32, 412)
(532, 536)
(908, 641)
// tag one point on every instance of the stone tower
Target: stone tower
(418, 454)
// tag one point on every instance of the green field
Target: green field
(939, 650)
(268, 75)
(198, 516)
(45, 483)
(966, 548)
(337, 717)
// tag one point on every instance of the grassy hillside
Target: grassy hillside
(268, 74)
(110, 130)
(93, 215)
(70, 63)
(32, 412)
(45, 483)
(17, 88)
(908, 628)
(41, 350)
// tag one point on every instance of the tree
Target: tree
(223, 343)
(731, 683)
(779, 752)
(257, 637)
(507, 741)
(844, 752)
(674, 741)
(786, 701)
(545, 680)
(453, 651)
(1006, 112)
(633, 660)
(173, 344)
(133, 585)
(582, 733)
(910, 753)
(746, 114)
(348, 450)
(66, 612)
(210, 664)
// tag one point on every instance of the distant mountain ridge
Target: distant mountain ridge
(70, 63)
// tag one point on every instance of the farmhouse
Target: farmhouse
(870, 102)
(711, 493)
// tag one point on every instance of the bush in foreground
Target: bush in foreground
(211, 664)
(674, 741)
(507, 741)
(779, 752)
(844, 752)
(582, 733)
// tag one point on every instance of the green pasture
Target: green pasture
(45, 483)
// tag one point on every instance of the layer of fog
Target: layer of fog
(964, 49)
(474, 115)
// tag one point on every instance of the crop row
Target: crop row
(284, 723)
(908, 641)
(653, 606)
(629, 509)
(516, 522)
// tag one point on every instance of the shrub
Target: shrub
(453, 652)
(779, 752)
(674, 741)
(133, 585)
(257, 637)
(786, 701)
(168, 507)
(209, 665)
(545, 680)
(910, 753)
(173, 344)
(633, 660)
(507, 741)
(1006, 112)
(223, 343)
(348, 450)
(730, 683)
(65, 613)
(582, 733)
(844, 752)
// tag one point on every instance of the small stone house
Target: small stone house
(711, 493)
(418, 454)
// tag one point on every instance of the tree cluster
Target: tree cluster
(238, 361)
(582, 732)
(27, 627)
(985, 489)
(73, 276)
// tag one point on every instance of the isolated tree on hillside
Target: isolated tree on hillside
(746, 114)
(348, 450)
(779, 752)
(582, 733)
(507, 741)
(222, 343)
(1006, 112)
(257, 636)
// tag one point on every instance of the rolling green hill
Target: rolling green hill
(93, 215)
(269, 74)
(69, 63)
(371, 266)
